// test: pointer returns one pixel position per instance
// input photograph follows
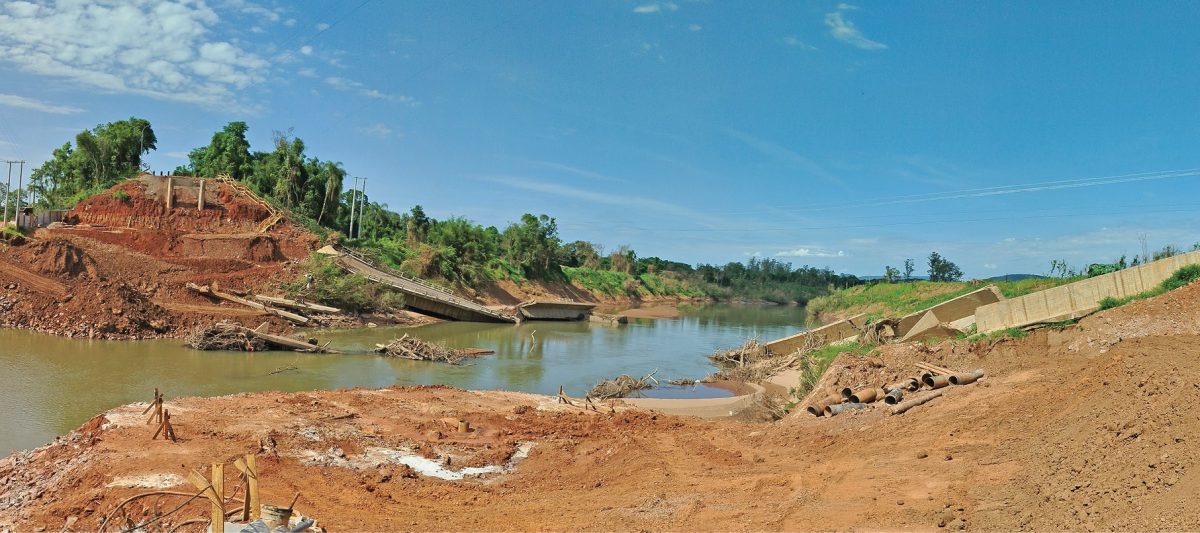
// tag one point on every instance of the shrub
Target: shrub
(120, 196)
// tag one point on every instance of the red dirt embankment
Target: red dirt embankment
(1088, 427)
(121, 271)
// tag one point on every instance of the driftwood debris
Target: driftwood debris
(418, 350)
(295, 304)
(621, 386)
(232, 337)
(214, 293)
(751, 361)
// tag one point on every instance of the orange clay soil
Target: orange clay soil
(121, 272)
(1088, 427)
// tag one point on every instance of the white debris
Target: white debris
(147, 481)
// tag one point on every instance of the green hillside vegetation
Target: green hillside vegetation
(455, 251)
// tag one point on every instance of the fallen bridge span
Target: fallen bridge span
(419, 295)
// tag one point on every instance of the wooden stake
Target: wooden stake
(165, 428)
(213, 490)
(249, 469)
(562, 397)
(156, 405)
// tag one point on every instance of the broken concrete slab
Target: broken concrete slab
(837, 331)
(953, 309)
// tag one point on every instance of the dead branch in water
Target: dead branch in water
(418, 350)
(621, 386)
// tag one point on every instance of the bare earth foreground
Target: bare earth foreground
(1094, 426)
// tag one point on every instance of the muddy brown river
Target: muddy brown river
(51, 385)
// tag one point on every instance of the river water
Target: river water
(51, 385)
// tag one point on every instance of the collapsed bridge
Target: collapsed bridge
(419, 295)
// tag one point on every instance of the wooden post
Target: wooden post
(170, 193)
(249, 469)
(200, 201)
(156, 405)
(214, 491)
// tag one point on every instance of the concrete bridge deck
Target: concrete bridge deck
(419, 295)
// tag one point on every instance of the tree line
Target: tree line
(456, 249)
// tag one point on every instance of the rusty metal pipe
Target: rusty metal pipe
(937, 382)
(894, 396)
(818, 407)
(834, 410)
(909, 384)
(846, 392)
(967, 378)
(867, 395)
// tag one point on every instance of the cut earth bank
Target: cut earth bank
(121, 271)
(1090, 426)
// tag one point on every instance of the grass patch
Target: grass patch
(348, 292)
(1007, 333)
(600, 281)
(1181, 277)
(814, 364)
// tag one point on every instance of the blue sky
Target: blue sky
(844, 135)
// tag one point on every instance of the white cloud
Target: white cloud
(990, 266)
(323, 26)
(378, 130)
(306, 50)
(656, 7)
(289, 22)
(695, 27)
(12, 100)
(161, 50)
(648, 205)
(786, 156)
(792, 40)
(848, 7)
(811, 252)
(346, 84)
(307, 72)
(844, 30)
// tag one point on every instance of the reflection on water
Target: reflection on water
(52, 385)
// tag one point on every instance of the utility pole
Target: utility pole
(362, 206)
(7, 191)
(20, 179)
(353, 204)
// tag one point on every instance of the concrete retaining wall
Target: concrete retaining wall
(1077, 299)
(827, 334)
(955, 309)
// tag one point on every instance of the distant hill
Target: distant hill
(1014, 277)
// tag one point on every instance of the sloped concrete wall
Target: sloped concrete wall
(955, 309)
(1079, 298)
(829, 333)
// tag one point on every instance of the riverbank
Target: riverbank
(1073, 428)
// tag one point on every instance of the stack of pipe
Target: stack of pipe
(834, 401)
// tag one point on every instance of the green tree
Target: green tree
(533, 244)
(891, 274)
(940, 269)
(227, 153)
(909, 266)
(100, 158)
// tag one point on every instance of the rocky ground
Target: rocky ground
(1087, 427)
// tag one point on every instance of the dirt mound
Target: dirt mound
(62, 257)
